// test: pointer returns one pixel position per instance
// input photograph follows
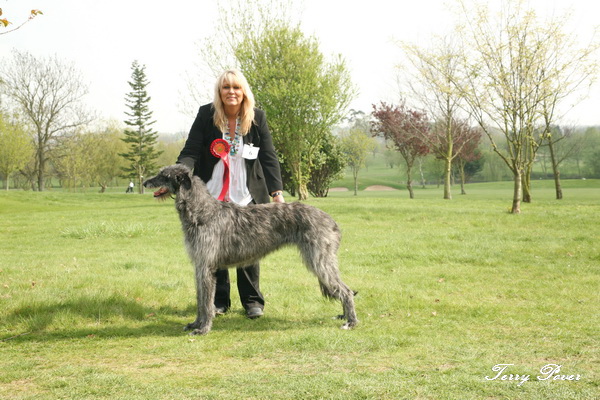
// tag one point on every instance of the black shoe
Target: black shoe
(220, 311)
(254, 312)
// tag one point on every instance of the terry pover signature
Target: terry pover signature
(549, 372)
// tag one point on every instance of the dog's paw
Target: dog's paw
(192, 326)
(349, 325)
(199, 332)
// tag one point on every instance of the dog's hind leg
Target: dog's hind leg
(324, 265)
(336, 289)
(205, 295)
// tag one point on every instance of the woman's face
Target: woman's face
(232, 94)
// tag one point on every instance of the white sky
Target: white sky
(103, 38)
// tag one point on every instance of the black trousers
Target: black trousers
(248, 287)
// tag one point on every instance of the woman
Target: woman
(253, 176)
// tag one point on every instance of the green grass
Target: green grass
(95, 290)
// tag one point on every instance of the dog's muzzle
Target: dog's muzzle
(161, 193)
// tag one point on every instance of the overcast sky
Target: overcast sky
(103, 38)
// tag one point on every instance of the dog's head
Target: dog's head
(170, 179)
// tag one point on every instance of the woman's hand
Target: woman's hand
(278, 197)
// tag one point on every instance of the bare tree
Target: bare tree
(48, 93)
(570, 69)
(356, 145)
(468, 153)
(512, 72)
(436, 70)
(562, 143)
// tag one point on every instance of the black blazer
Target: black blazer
(263, 173)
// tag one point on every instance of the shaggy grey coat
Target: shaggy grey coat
(225, 235)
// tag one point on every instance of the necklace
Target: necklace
(235, 141)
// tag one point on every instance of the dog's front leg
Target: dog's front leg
(205, 296)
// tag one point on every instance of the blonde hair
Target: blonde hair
(246, 114)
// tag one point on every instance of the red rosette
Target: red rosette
(220, 149)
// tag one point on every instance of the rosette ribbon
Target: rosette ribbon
(220, 149)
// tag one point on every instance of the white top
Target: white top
(238, 190)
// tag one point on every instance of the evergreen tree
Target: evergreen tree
(139, 136)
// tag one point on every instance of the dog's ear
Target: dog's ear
(184, 178)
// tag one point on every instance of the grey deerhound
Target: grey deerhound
(225, 235)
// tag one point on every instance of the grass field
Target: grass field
(95, 289)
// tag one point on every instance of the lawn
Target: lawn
(96, 288)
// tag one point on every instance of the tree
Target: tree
(561, 143)
(90, 158)
(169, 149)
(437, 69)
(515, 72)
(406, 129)
(237, 21)
(70, 159)
(329, 166)
(356, 144)
(15, 147)
(302, 94)
(48, 93)
(107, 146)
(588, 156)
(140, 138)
(594, 164)
(568, 67)
(392, 158)
(468, 154)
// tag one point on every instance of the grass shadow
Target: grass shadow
(238, 322)
(115, 316)
(91, 316)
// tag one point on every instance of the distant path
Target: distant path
(379, 188)
(369, 188)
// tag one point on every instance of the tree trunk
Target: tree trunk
(447, 177)
(355, 175)
(448, 158)
(557, 185)
(141, 184)
(40, 171)
(421, 173)
(526, 186)
(555, 171)
(302, 191)
(411, 193)
(461, 170)
(518, 189)
(302, 185)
